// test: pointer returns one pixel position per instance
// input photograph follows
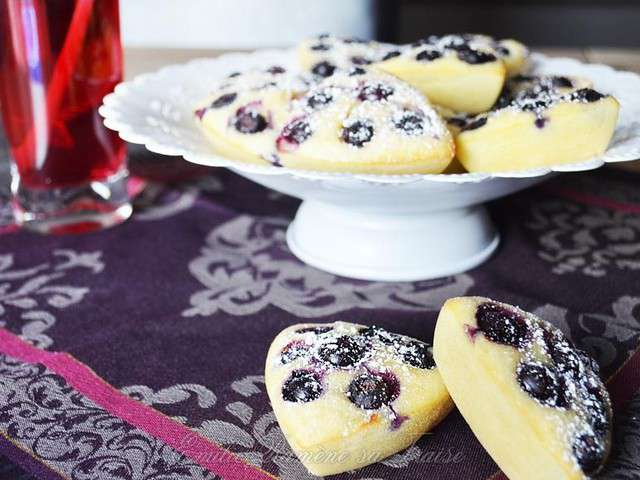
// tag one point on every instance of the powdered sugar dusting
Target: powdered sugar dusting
(342, 53)
(468, 48)
(381, 105)
(533, 94)
(557, 375)
(372, 356)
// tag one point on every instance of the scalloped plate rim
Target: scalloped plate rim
(114, 119)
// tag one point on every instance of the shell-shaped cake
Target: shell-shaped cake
(513, 53)
(464, 73)
(535, 402)
(364, 122)
(537, 122)
(444, 104)
(325, 54)
(347, 395)
(246, 111)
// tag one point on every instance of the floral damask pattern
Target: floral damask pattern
(253, 434)
(31, 296)
(585, 239)
(156, 202)
(246, 266)
(251, 431)
(608, 337)
(7, 221)
(42, 413)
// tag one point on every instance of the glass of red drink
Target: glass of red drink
(58, 60)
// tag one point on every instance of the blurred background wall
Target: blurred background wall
(240, 23)
(569, 23)
(260, 23)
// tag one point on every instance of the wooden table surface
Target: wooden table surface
(141, 60)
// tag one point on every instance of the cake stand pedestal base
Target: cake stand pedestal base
(391, 245)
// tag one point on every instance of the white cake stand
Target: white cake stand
(372, 227)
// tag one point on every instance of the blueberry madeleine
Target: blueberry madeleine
(538, 122)
(245, 112)
(365, 123)
(325, 54)
(464, 73)
(346, 395)
(535, 402)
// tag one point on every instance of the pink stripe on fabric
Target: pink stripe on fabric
(9, 228)
(595, 200)
(498, 476)
(205, 453)
(135, 185)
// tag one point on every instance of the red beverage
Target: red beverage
(58, 60)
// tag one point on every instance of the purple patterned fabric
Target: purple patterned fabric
(177, 307)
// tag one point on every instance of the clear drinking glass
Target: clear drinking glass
(58, 59)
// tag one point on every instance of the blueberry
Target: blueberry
(410, 123)
(541, 383)
(273, 159)
(343, 352)
(600, 418)
(391, 54)
(224, 100)
(567, 357)
(302, 386)
(563, 354)
(540, 122)
(371, 392)
(323, 69)
(276, 70)
(480, 122)
(378, 333)
(536, 105)
(561, 82)
(589, 453)
(534, 93)
(293, 351)
(293, 134)
(316, 330)
(417, 354)
(587, 94)
(375, 93)
(319, 99)
(501, 325)
(320, 47)
(428, 55)
(353, 40)
(589, 361)
(360, 60)
(502, 50)
(522, 78)
(459, 122)
(472, 56)
(357, 71)
(358, 133)
(249, 121)
(504, 100)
